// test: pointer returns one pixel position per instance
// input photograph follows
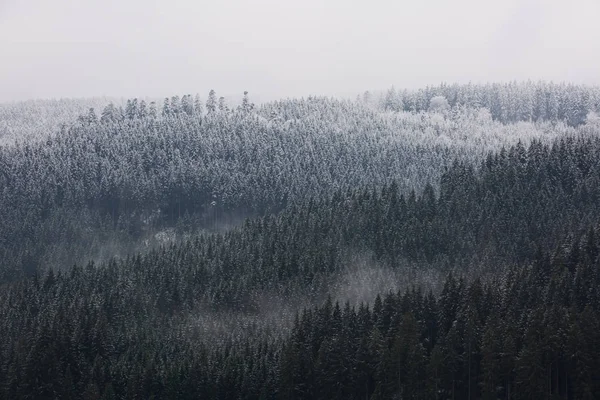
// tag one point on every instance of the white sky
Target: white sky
(280, 48)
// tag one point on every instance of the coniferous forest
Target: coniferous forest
(441, 243)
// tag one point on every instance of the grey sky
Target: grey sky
(280, 48)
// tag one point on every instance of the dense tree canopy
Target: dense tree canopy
(110, 185)
(193, 319)
(305, 249)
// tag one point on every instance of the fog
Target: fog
(275, 48)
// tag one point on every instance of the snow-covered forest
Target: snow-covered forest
(37, 119)
(124, 177)
(434, 243)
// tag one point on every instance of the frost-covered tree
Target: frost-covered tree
(222, 104)
(92, 117)
(438, 104)
(131, 109)
(392, 101)
(211, 102)
(246, 105)
(153, 110)
(143, 109)
(187, 104)
(198, 108)
(167, 111)
(176, 106)
(108, 114)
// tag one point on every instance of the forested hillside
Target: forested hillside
(304, 249)
(126, 179)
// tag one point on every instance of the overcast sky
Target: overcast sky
(281, 48)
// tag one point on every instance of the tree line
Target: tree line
(507, 102)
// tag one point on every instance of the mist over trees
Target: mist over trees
(116, 179)
(36, 119)
(438, 243)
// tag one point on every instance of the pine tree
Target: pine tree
(211, 102)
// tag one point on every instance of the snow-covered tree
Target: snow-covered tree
(211, 102)
(438, 104)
